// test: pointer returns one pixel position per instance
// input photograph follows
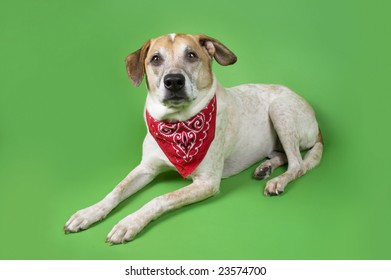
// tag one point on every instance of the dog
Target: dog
(205, 131)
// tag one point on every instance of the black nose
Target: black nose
(174, 82)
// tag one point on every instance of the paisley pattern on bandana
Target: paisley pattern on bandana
(185, 143)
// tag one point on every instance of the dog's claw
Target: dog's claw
(276, 193)
(274, 187)
(109, 242)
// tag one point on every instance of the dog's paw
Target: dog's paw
(124, 231)
(274, 187)
(263, 171)
(82, 219)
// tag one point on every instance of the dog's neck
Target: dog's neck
(160, 112)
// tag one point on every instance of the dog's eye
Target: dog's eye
(156, 60)
(192, 56)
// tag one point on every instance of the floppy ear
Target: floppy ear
(135, 64)
(216, 49)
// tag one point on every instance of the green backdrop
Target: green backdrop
(71, 127)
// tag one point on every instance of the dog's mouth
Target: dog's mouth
(175, 90)
(175, 99)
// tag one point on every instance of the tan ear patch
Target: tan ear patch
(135, 64)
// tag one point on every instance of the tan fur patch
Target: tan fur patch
(173, 49)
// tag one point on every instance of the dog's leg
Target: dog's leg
(276, 159)
(277, 185)
(138, 178)
(313, 156)
(311, 159)
(127, 228)
(288, 130)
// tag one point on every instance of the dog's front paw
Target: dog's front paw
(274, 187)
(82, 219)
(125, 230)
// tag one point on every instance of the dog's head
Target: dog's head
(177, 66)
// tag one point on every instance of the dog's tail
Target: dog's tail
(313, 156)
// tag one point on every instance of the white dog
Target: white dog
(204, 131)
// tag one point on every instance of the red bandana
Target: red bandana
(185, 143)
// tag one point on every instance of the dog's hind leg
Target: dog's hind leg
(294, 125)
(313, 156)
(276, 159)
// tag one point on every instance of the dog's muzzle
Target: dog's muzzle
(174, 82)
(175, 88)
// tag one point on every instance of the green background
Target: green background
(71, 127)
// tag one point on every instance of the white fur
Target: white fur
(172, 37)
(250, 118)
